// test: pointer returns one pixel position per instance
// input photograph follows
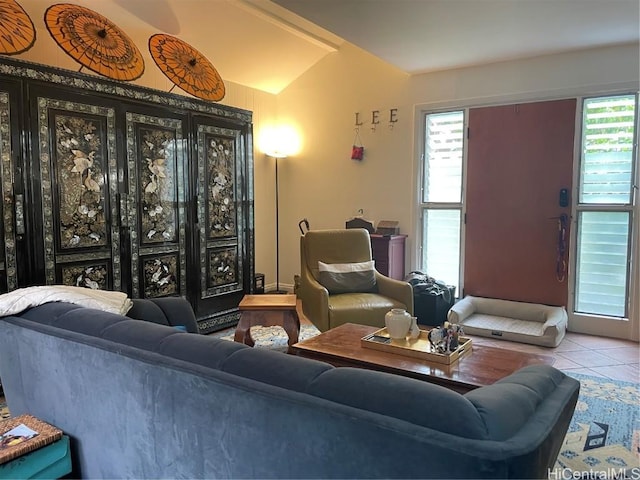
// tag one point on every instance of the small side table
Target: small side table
(47, 455)
(267, 311)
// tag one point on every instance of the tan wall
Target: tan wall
(324, 185)
(320, 182)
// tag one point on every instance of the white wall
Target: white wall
(324, 185)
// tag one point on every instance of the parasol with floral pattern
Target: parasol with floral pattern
(186, 67)
(94, 41)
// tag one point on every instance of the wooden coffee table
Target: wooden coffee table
(485, 365)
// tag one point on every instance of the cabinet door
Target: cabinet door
(222, 218)
(154, 206)
(75, 183)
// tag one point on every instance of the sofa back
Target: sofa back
(145, 400)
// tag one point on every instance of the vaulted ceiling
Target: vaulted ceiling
(267, 44)
(421, 36)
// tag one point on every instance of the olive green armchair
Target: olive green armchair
(330, 307)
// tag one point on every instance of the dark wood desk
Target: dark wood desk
(485, 365)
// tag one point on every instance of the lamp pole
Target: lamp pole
(277, 155)
(277, 232)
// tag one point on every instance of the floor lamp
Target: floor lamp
(277, 155)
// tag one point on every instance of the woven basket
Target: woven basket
(46, 434)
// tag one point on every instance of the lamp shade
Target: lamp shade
(275, 154)
(279, 141)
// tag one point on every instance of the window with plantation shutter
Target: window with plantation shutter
(443, 157)
(605, 205)
(442, 195)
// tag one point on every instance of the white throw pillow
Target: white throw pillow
(347, 277)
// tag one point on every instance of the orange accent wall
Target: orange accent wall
(519, 157)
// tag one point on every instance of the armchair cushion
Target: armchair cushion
(362, 308)
(347, 277)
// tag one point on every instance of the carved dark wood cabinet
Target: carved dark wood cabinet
(112, 186)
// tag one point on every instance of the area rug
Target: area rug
(603, 440)
(274, 338)
(4, 411)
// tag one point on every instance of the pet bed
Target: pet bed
(532, 323)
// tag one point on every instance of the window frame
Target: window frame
(587, 324)
(424, 206)
(592, 323)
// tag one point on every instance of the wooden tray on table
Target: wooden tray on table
(417, 348)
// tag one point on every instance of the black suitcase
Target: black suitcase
(431, 299)
(431, 306)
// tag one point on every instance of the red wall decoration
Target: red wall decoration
(519, 157)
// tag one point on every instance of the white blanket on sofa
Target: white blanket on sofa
(19, 300)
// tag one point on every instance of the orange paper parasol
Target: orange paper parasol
(186, 67)
(17, 33)
(94, 41)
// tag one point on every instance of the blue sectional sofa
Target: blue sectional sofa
(143, 400)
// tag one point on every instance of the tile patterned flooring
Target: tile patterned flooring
(580, 353)
(586, 354)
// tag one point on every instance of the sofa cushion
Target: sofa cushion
(199, 349)
(263, 365)
(274, 368)
(347, 277)
(417, 402)
(135, 333)
(172, 311)
(519, 394)
(76, 319)
(144, 309)
(48, 313)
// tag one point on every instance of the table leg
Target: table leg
(291, 325)
(243, 331)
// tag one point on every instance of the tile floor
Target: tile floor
(579, 353)
(587, 354)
